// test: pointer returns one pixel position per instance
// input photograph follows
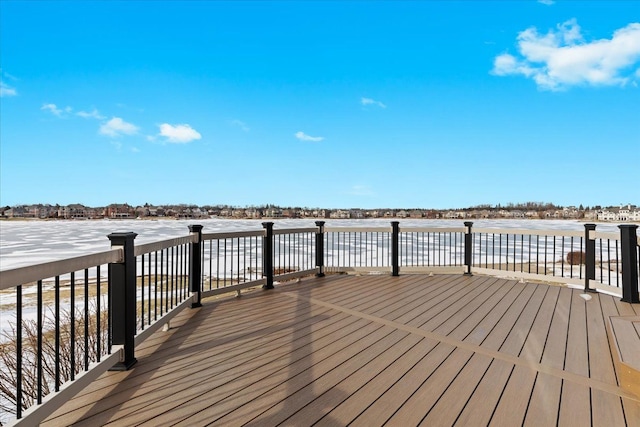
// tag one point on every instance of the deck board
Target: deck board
(374, 349)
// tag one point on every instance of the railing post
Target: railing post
(320, 248)
(122, 278)
(468, 248)
(195, 266)
(395, 246)
(629, 243)
(267, 255)
(590, 255)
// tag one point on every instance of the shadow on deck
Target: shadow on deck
(374, 350)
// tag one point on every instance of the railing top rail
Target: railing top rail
(357, 229)
(163, 244)
(518, 231)
(33, 273)
(232, 234)
(433, 229)
(295, 230)
(604, 236)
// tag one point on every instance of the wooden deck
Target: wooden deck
(375, 350)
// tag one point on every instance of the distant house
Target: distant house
(117, 211)
(620, 214)
(340, 214)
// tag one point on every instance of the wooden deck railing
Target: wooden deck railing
(68, 328)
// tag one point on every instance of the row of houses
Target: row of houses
(622, 214)
(118, 211)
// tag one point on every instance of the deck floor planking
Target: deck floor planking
(374, 350)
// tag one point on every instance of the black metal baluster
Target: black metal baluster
(142, 296)
(562, 255)
(19, 351)
(149, 288)
(617, 266)
(217, 263)
(224, 277)
(86, 319)
(522, 253)
(99, 315)
(507, 250)
(39, 344)
(72, 333)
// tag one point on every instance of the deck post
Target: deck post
(395, 246)
(590, 255)
(468, 248)
(320, 248)
(629, 243)
(195, 266)
(122, 285)
(267, 255)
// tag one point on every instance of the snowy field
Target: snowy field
(32, 242)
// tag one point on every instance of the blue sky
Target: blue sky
(426, 104)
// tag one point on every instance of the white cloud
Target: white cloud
(240, 124)
(117, 127)
(53, 109)
(180, 134)
(369, 101)
(304, 137)
(6, 90)
(91, 114)
(561, 58)
(547, 2)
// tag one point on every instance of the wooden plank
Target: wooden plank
(627, 339)
(425, 397)
(512, 406)
(394, 358)
(212, 406)
(206, 359)
(200, 389)
(358, 401)
(396, 395)
(445, 288)
(480, 406)
(509, 338)
(575, 406)
(418, 288)
(388, 295)
(606, 408)
(453, 400)
(545, 399)
(492, 329)
(464, 320)
(175, 379)
(516, 396)
(335, 350)
(351, 373)
(428, 315)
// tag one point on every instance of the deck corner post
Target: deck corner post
(590, 257)
(468, 248)
(320, 248)
(267, 255)
(122, 285)
(395, 246)
(195, 266)
(629, 246)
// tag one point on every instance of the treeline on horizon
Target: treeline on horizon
(529, 206)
